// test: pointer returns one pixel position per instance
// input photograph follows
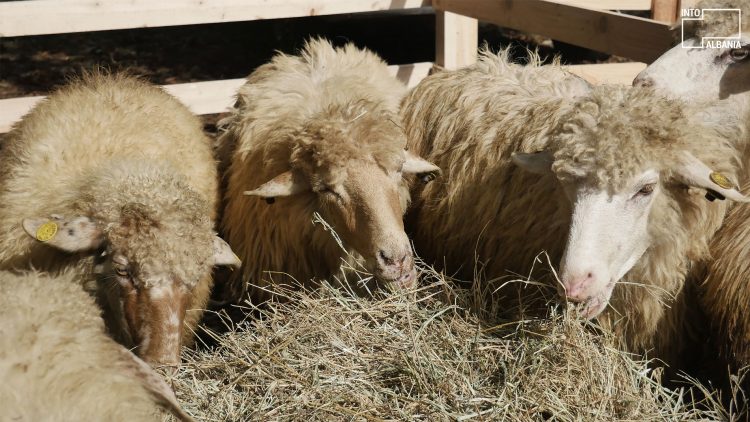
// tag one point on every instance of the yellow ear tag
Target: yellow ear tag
(46, 231)
(721, 180)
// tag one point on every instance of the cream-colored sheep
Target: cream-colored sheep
(58, 364)
(721, 77)
(115, 178)
(616, 197)
(318, 132)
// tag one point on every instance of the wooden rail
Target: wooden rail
(581, 22)
(636, 38)
(40, 17)
(217, 96)
(610, 4)
(201, 97)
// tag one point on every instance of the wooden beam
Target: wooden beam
(39, 17)
(456, 40)
(608, 73)
(665, 10)
(609, 4)
(636, 38)
(201, 97)
(12, 109)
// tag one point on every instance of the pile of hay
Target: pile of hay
(329, 355)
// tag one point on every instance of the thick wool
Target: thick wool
(56, 361)
(311, 113)
(127, 155)
(723, 291)
(470, 121)
(493, 218)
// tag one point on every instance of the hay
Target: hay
(420, 355)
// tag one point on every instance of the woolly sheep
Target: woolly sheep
(318, 132)
(114, 177)
(721, 74)
(618, 201)
(57, 363)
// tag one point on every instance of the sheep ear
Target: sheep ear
(693, 172)
(68, 234)
(535, 162)
(424, 169)
(285, 184)
(154, 383)
(223, 254)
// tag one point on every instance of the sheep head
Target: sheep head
(349, 164)
(696, 71)
(630, 180)
(152, 241)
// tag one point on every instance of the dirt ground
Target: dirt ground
(36, 65)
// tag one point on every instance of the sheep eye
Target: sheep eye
(121, 271)
(739, 54)
(646, 190)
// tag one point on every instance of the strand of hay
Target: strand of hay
(420, 355)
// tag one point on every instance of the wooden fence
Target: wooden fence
(587, 23)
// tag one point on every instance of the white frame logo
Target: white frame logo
(712, 42)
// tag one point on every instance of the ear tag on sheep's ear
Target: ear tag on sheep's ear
(46, 231)
(721, 180)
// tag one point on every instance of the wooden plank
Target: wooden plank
(201, 97)
(39, 17)
(636, 38)
(609, 4)
(608, 73)
(665, 10)
(13, 109)
(456, 40)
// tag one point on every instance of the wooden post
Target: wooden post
(457, 39)
(665, 10)
(615, 33)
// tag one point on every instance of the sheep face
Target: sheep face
(701, 73)
(625, 176)
(151, 251)
(608, 235)
(362, 197)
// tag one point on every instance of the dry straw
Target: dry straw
(421, 355)
(435, 353)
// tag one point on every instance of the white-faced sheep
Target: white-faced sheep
(618, 201)
(114, 177)
(57, 363)
(720, 75)
(714, 72)
(318, 132)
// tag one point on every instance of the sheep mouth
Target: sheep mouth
(595, 305)
(407, 280)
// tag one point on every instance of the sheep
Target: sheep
(58, 363)
(115, 178)
(318, 132)
(722, 75)
(707, 73)
(533, 163)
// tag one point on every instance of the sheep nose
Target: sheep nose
(576, 286)
(643, 81)
(392, 259)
